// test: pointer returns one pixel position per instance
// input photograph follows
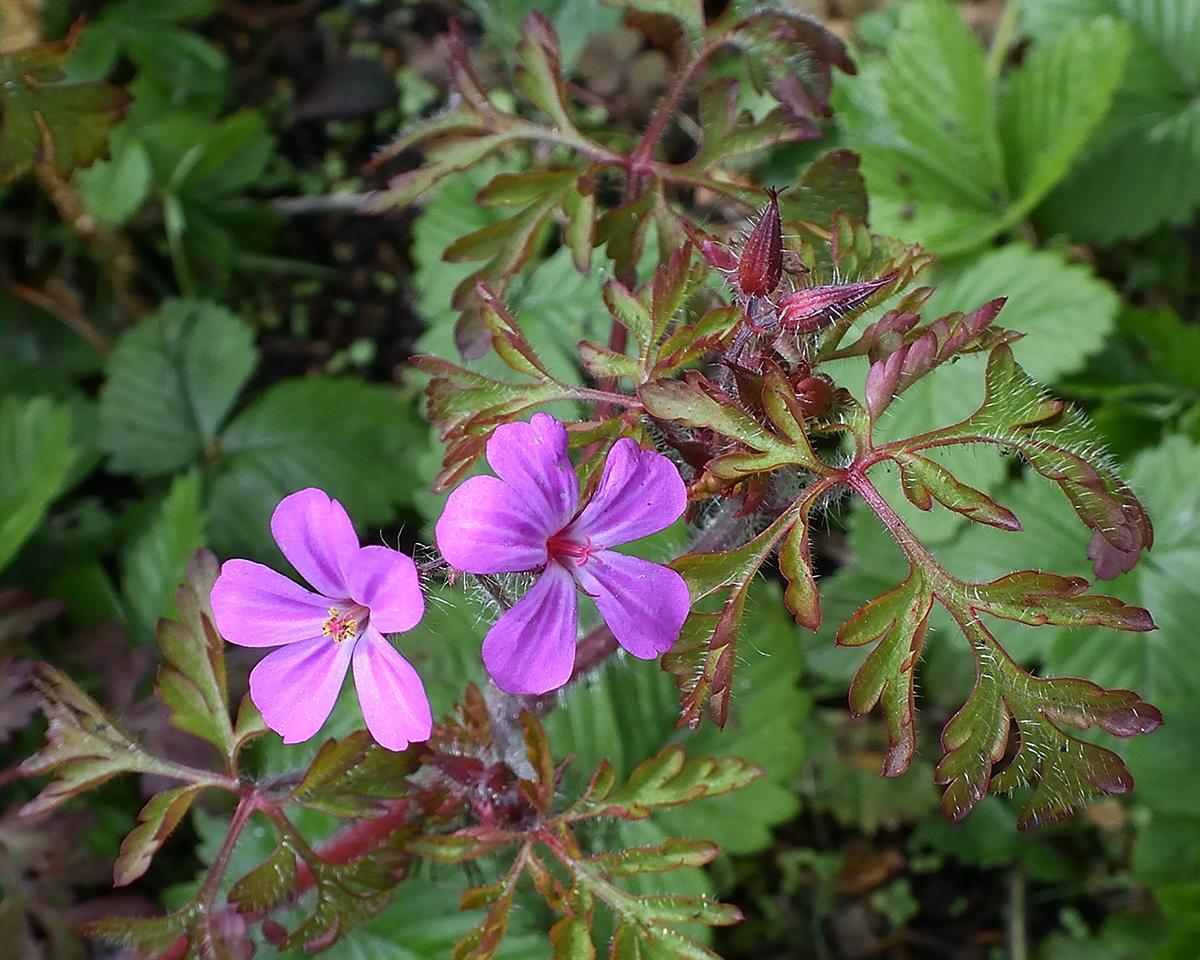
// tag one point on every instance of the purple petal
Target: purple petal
(643, 603)
(531, 648)
(486, 527)
(386, 582)
(640, 493)
(532, 459)
(256, 607)
(390, 692)
(317, 537)
(296, 687)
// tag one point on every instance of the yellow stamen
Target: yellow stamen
(339, 627)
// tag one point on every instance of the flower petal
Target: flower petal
(532, 459)
(390, 692)
(643, 603)
(531, 648)
(317, 537)
(486, 527)
(640, 493)
(256, 607)
(296, 687)
(385, 581)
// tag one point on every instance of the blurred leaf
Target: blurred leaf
(115, 189)
(153, 564)
(36, 454)
(83, 747)
(690, 13)
(46, 120)
(172, 380)
(1154, 123)
(351, 439)
(923, 120)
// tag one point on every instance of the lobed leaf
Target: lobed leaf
(354, 777)
(192, 682)
(83, 749)
(157, 819)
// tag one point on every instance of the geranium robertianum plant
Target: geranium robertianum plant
(740, 385)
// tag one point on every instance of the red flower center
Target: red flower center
(564, 549)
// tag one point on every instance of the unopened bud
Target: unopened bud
(761, 266)
(812, 308)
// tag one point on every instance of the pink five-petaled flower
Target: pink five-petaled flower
(361, 593)
(528, 517)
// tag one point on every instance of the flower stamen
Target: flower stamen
(340, 626)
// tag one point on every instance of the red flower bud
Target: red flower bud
(812, 308)
(761, 266)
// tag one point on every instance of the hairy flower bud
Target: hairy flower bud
(761, 265)
(812, 308)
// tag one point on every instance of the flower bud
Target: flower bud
(810, 309)
(761, 265)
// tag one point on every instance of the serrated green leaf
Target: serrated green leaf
(172, 380)
(153, 564)
(923, 120)
(157, 819)
(351, 439)
(36, 455)
(192, 684)
(671, 855)
(1154, 123)
(1053, 102)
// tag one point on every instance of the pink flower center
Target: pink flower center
(344, 624)
(564, 550)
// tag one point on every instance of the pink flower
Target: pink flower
(528, 517)
(360, 594)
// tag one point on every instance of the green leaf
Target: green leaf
(669, 779)
(154, 563)
(923, 120)
(1154, 123)
(350, 438)
(192, 682)
(1054, 101)
(157, 819)
(1064, 311)
(46, 120)
(36, 455)
(172, 380)
(1164, 666)
(352, 777)
(83, 747)
(115, 189)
